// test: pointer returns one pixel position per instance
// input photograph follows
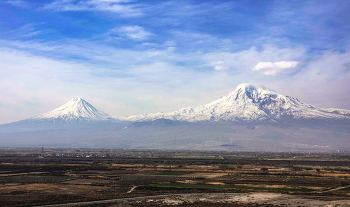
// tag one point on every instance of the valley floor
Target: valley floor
(154, 178)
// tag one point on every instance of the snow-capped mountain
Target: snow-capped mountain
(76, 113)
(249, 118)
(249, 103)
(76, 109)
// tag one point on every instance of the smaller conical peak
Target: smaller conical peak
(75, 109)
(76, 102)
(77, 99)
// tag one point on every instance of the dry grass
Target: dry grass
(215, 183)
(187, 181)
(205, 175)
(55, 187)
(30, 187)
(281, 186)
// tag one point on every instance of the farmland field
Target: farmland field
(158, 177)
(201, 186)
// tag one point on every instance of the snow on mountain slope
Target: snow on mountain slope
(248, 103)
(76, 109)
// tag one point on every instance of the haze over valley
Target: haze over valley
(250, 118)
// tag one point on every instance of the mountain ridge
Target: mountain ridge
(249, 103)
(248, 118)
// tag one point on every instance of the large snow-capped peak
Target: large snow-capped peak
(75, 109)
(248, 103)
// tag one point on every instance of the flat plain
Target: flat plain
(82, 177)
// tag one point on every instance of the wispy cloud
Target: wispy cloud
(125, 8)
(149, 81)
(192, 41)
(132, 32)
(202, 50)
(269, 68)
(17, 3)
(24, 31)
(219, 65)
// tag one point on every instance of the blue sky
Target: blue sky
(130, 57)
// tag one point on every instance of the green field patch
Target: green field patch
(204, 186)
(171, 173)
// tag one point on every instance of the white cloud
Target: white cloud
(269, 68)
(243, 61)
(219, 65)
(50, 83)
(128, 81)
(132, 32)
(122, 7)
